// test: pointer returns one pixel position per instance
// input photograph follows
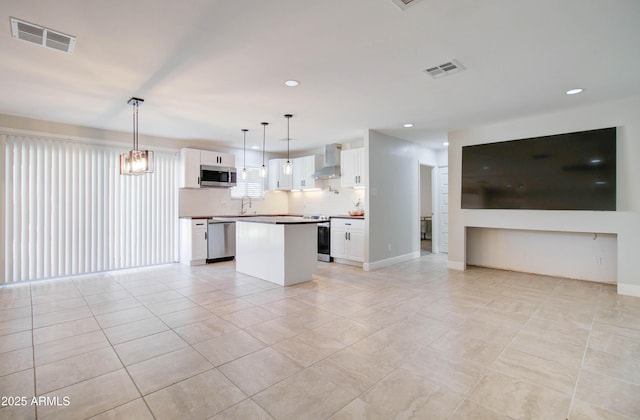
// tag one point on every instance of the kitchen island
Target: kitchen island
(282, 250)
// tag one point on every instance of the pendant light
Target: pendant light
(263, 169)
(136, 162)
(287, 166)
(243, 173)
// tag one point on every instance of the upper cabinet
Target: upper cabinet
(303, 169)
(278, 180)
(189, 168)
(191, 159)
(210, 158)
(352, 167)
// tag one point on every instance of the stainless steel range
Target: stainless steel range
(324, 237)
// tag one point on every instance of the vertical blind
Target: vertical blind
(66, 210)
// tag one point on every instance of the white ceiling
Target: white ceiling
(208, 68)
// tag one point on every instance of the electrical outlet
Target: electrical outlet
(597, 259)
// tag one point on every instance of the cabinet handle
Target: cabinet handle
(198, 180)
(349, 235)
(205, 236)
(345, 236)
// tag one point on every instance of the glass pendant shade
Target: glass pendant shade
(263, 171)
(135, 161)
(243, 174)
(287, 168)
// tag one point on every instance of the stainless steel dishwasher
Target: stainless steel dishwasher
(221, 240)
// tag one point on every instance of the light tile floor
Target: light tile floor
(411, 341)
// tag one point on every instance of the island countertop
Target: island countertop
(277, 220)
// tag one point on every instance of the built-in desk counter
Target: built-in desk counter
(282, 249)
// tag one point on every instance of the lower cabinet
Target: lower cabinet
(347, 239)
(193, 241)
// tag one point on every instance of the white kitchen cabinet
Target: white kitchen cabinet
(207, 157)
(352, 168)
(347, 239)
(193, 241)
(303, 169)
(191, 159)
(189, 168)
(278, 180)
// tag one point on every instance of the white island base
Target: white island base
(282, 253)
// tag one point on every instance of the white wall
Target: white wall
(625, 223)
(392, 169)
(591, 257)
(202, 202)
(334, 202)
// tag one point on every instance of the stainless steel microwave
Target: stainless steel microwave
(217, 176)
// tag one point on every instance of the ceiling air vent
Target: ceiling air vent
(42, 36)
(445, 69)
(403, 4)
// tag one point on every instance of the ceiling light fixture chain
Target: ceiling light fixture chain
(263, 169)
(287, 166)
(243, 174)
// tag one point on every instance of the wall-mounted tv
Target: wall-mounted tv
(573, 171)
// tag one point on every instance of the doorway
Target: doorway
(426, 209)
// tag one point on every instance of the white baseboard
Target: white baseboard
(390, 261)
(348, 262)
(456, 265)
(629, 289)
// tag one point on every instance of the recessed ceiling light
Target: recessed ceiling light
(446, 143)
(574, 91)
(291, 83)
(407, 125)
(255, 147)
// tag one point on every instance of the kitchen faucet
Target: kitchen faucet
(243, 204)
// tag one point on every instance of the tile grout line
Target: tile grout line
(466, 397)
(33, 350)
(116, 353)
(584, 357)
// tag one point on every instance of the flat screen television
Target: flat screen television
(573, 171)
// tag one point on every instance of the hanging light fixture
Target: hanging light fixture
(263, 169)
(287, 166)
(243, 174)
(136, 162)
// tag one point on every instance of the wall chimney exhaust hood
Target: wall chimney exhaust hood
(331, 162)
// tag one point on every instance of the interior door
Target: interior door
(443, 210)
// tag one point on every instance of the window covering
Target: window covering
(66, 210)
